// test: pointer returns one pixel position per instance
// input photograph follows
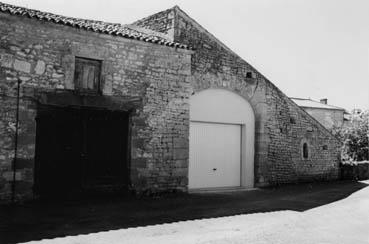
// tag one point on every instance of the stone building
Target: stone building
(328, 115)
(159, 105)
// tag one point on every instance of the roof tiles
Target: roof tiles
(92, 25)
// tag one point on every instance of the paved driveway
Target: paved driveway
(311, 213)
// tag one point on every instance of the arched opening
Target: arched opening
(222, 125)
(305, 151)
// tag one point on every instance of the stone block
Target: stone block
(6, 60)
(182, 163)
(40, 67)
(139, 163)
(24, 163)
(180, 142)
(9, 175)
(180, 153)
(22, 66)
(24, 78)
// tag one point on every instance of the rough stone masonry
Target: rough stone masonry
(281, 126)
(153, 77)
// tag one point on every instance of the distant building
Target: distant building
(326, 114)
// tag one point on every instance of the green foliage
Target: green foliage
(354, 137)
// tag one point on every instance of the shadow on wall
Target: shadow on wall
(37, 220)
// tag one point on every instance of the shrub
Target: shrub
(354, 138)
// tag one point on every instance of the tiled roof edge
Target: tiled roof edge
(114, 29)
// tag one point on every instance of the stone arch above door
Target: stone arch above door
(221, 111)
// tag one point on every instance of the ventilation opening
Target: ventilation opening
(249, 75)
(305, 151)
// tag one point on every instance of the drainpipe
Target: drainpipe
(16, 142)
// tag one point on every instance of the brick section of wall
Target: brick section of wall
(281, 126)
(42, 56)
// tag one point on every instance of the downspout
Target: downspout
(16, 142)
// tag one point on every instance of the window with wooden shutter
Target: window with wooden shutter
(87, 74)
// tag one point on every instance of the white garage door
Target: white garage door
(215, 155)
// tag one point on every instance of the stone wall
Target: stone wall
(155, 82)
(162, 22)
(281, 126)
(153, 77)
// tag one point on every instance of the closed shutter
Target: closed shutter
(87, 74)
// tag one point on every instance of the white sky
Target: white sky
(308, 48)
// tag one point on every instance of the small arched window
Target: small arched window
(305, 151)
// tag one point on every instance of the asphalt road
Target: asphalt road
(288, 209)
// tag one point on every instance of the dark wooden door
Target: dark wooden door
(58, 147)
(79, 150)
(105, 146)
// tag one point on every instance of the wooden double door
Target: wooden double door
(80, 151)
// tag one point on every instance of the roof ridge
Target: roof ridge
(300, 98)
(99, 26)
(322, 105)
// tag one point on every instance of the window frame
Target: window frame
(305, 144)
(78, 60)
(305, 150)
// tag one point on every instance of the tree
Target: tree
(354, 137)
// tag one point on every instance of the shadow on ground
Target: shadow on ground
(37, 220)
